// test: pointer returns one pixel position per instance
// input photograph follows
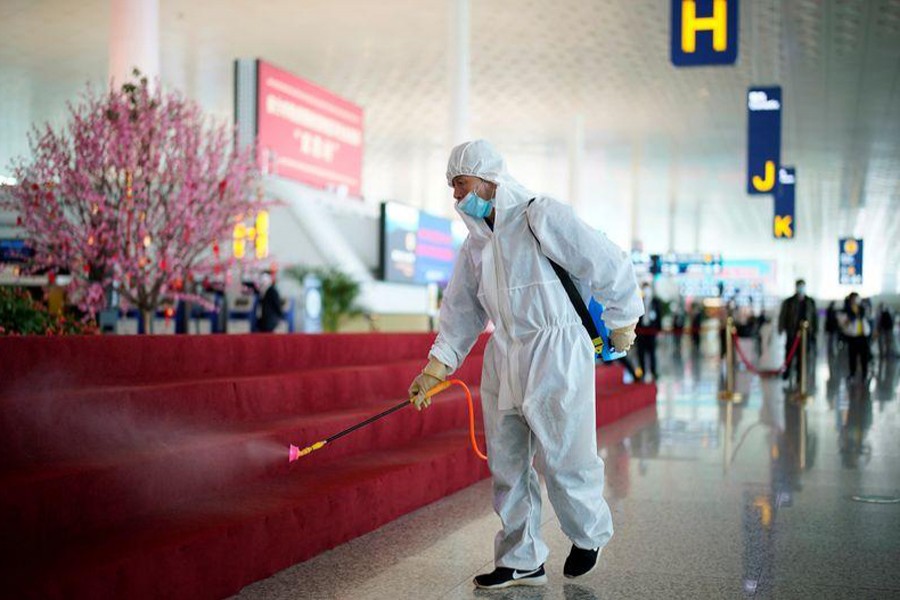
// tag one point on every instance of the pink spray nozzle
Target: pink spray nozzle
(294, 452)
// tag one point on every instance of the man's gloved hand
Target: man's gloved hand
(434, 373)
(622, 338)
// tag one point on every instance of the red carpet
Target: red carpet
(145, 467)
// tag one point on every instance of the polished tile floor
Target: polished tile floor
(791, 501)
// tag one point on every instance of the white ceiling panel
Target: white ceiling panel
(653, 132)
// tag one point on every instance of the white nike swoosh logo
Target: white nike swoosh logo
(517, 575)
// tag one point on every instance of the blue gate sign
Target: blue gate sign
(784, 225)
(704, 32)
(763, 139)
(851, 261)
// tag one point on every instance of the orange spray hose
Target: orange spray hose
(446, 384)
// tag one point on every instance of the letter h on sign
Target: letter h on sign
(704, 32)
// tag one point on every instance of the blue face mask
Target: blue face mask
(475, 206)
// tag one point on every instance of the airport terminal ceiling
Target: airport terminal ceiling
(664, 147)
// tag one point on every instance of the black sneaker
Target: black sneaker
(503, 578)
(580, 562)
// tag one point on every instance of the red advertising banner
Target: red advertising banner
(308, 134)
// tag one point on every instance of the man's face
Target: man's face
(463, 184)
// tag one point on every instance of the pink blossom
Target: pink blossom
(137, 188)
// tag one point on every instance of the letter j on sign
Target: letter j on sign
(763, 139)
(704, 32)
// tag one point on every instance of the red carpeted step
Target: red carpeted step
(84, 422)
(135, 480)
(629, 424)
(609, 377)
(33, 362)
(152, 469)
(105, 492)
(213, 548)
(614, 405)
(82, 522)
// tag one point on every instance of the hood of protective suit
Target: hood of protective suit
(480, 159)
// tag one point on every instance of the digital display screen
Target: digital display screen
(416, 246)
(744, 280)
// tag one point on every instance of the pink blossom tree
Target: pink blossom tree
(137, 191)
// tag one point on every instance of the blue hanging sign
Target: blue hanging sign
(763, 139)
(704, 32)
(784, 225)
(851, 261)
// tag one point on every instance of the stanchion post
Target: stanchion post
(728, 394)
(802, 393)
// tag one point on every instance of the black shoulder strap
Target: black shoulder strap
(569, 285)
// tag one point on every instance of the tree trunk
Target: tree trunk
(147, 320)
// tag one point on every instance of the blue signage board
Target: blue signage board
(704, 32)
(15, 251)
(784, 225)
(851, 261)
(763, 139)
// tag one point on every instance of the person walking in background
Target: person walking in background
(730, 312)
(794, 311)
(271, 313)
(856, 329)
(885, 332)
(696, 322)
(866, 304)
(649, 327)
(832, 329)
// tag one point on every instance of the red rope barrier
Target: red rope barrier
(765, 372)
(658, 331)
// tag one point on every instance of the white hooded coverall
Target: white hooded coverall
(537, 386)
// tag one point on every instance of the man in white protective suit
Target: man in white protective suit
(537, 387)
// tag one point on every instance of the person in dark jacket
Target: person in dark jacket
(832, 329)
(794, 311)
(697, 316)
(857, 330)
(270, 305)
(648, 328)
(885, 332)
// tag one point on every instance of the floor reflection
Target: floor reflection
(771, 426)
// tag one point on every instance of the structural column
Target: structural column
(133, 39)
